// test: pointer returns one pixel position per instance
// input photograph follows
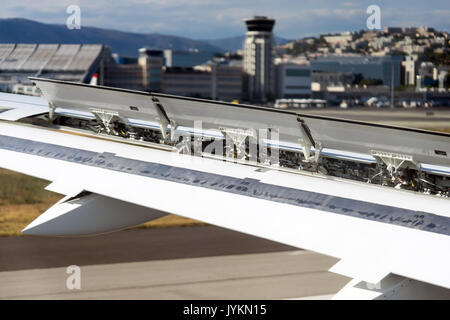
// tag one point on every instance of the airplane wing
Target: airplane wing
(373, 196)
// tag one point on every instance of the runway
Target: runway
(28, 252)
(173, 263)
(279, 275)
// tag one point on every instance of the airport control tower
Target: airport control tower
(258, 58)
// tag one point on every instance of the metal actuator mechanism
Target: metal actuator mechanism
(51, 111)
(105, 117)
(238, 137)
(164, 121)
(307, 142)
(394, 161)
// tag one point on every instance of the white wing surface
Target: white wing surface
(382, 236)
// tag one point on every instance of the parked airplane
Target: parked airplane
(373, 196)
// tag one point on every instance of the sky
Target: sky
(213, 19)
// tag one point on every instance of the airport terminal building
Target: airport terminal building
(385, 68)
(72, 62)
(147, 72)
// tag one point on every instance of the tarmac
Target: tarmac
(168, 263)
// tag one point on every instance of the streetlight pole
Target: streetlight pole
(392, 85)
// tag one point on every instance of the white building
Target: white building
(209, 81)
(409, 71)
(259, 47)
(293, 81)
(342, 38)
(226, 80)
(152, 61)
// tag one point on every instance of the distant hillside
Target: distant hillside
(17, 30)
(235, 43)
